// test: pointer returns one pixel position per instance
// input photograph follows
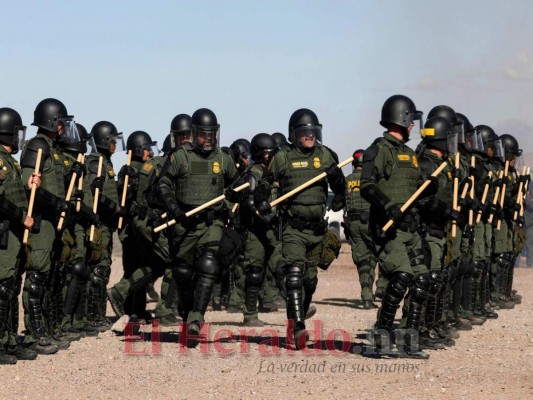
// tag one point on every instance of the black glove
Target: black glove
(515, 206)
(97, 183)
(178, 214)
(264, 208)
(461, 202)
(472, 171)
(456, 216)
(520, 220)
(456, 173)
(122, 212)
(63, 206)
(78, 194)
(468, 231)
(335, 178)
(474, 204)
(128, 170)
(78, 168)
(394, 212)
(497, 183)
(232, 196)
(94, 219)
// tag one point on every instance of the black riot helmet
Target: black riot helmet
(491, 141)
(105, 134)
(472, 141)
(180, 129)
(358, 158)
(81, 145)
(48, 113)
(436, 133)
(241, 152)
(138, 142)
(280, 139)
(304, 122)
(262, 148)
(449, 114)
(511, 147)
(205, 130)
(401, 111)
(12, 131)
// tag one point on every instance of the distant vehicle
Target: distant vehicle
(335, 218)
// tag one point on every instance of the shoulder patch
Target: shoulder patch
(148, 166)
(3, 174)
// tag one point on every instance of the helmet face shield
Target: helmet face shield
(308, 132)
(453, 143)
(18, 139)
(471, 141)
(205, 138)
(458, 128)
(179, 138)
(480, 145)
(152, 148)
(92, 144)
(69, 131)
(498, 150)
(118, 142)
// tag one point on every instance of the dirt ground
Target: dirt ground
(493, 361)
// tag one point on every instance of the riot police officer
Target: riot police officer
(199, 171)
(390, 176)
(304, 226)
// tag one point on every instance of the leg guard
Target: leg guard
(309, 289)
(294, 287)
(366, 270)
(97, 286)
(418, 294)
(35, 288)
(207, 266)
(80, 275)
(183, 276)
(252, 285)
(7, 289)
(476, 284)
(394, 293)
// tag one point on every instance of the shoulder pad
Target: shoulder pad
(29, 157)
(92, 166)
(335, 156)
(371, 152)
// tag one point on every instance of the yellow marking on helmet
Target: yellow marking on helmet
(427, 132)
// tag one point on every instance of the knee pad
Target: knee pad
(80, 270)
(293, 277)
(36, 287)
(420, 287)
(254, 276)
(417, 257)
(437, 279)
(182, 273)
(7, 287)
(208, 262)
(100, 276)
(398, 284)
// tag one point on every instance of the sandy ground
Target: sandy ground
(491, 361)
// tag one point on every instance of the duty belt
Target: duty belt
(362, 216)
(317, 227)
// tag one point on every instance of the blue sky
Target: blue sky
(139, 63)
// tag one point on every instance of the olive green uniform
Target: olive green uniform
(363, 247)
(13, 208)
(192, 179)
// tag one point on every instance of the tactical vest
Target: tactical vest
(11, 181)
(110, 189)
(203, 180)
(401, 175)
(53, 171)
(300, 169)
(354, 200)
(145, 171)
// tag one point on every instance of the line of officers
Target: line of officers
(243, 242)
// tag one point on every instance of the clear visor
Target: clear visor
(480, 145)
(70, 133)
(308, 132)
(517, 163)
(459, 130)
(92, 144)
(205, 138)
(452, 143)
(498, 150)
(471, 143)
(118, 141)
(20, 137)
(178, 139)
(153, 149)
